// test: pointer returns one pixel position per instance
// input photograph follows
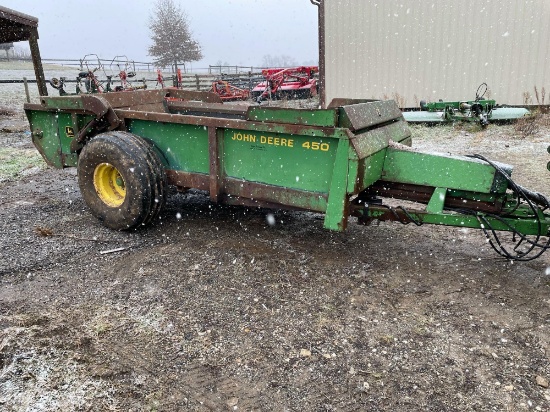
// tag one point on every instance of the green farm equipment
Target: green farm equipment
(341, 161)
(479, 110)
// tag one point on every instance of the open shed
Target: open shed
(14, 27)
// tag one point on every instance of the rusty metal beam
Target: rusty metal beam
(186, 180)
(227, 123)
(198, 96)
(37, 63)
(206, 109)
(249, 193)
(118, 100)
(423, 194)
(215, 139)
(275, 194)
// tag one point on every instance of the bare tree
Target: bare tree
(172, 41)
(21, 53)
(278, 61)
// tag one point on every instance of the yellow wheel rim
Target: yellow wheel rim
(109, 185)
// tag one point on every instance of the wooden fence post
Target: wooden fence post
(27, 90)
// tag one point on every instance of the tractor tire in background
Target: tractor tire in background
(122, 180)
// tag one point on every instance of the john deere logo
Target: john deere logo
(69, 131)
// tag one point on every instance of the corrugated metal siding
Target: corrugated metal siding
(413, 50)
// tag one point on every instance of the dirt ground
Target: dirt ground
(228, 308)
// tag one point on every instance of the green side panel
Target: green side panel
(322, 118)
(372, 141)
(67, 131)
(336, 214)
(292, 161)
(372, 167)
(370, 149)
(184, 147)
(70, 160)
(366, 115)
(440, 170)
(353, 172)
(64, 102)
(45, 136)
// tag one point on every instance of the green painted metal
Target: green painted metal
(322, 118)
(67, 128)
(367, 115)
(450, 114)
(63, 102)
(371, 171)
(478, 197)
(316, 160)
(336, 217)
(292, 161)
(368, 143)
(437, 201)
(487, 105)
(517, 220)
(44, 132)
(183, 147)
(440, 170)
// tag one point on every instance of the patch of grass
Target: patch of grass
(14, 162)
(101, 326)
(386, 340)
(422, 131)
(531, 125)
(30, 319)
(4, 111)
(468, 127)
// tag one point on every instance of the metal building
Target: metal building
(410, 50)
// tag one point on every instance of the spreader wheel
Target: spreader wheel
(122, 180)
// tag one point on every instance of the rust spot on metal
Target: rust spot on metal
(423, 194)
(275, 194)
(224, 123)
(205, 109)
(216, 178)
(187, 180)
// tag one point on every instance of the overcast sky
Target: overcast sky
(239, 32)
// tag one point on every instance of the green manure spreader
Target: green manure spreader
(343, 161)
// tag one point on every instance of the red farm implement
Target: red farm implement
(294, 83)
(228, 92)
(177, 80)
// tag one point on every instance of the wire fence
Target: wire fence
(200, 82)
(244, 77)
(139, 65)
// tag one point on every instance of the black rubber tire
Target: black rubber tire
(143, 174)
